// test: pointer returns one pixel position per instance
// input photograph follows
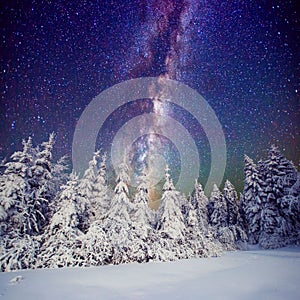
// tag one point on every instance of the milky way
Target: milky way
(241, 56)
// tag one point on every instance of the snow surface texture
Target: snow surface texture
(255, 274)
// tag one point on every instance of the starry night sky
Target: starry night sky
(241, 56)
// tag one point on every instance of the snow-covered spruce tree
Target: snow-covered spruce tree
(193, 235)
(279, 175)
(86, 194)
(18, 249)
(169, 216)
(199, 243)
(95, 246)
(218, 220)
(211, 202)
(231, 199)
(42, 189)
(170, 221)
(120, 205)
(142, 232)
(118, 225)
(218, 217)
(253, 197)
(27, 186)
(61, 240)
(15, 190)
(142, 216)
(199, 202)
(102, 196)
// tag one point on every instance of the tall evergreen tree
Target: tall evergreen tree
(101, 200)
(254, 198)
(238, 231)
(279, 175)
(170, 220)
(231, 199)
(121, 205)
(141, 213)
(61, 237)
(221, 231)
(218, 217)
(200, 202)
(26, 192)
(18, 250)
(117, 224)
(42, 189)
(85, 191)
(15, 191)
(198, 242)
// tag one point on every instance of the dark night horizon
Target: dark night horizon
(242, 57)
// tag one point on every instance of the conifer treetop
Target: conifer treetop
(168, 185)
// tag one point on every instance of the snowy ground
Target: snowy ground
(256, 274)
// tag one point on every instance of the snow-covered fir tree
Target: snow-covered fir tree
(218, 217)
(96, 246)
(253, 197)
(121, 205)
(233, 217)
(117, 224)
(279, 175)
(170, 222)
(25, 195)
(137, 242)
(86, 194)
(101, 194)
(18, 250)
(199, 202)
(15, 191)
(197, 243)
(42, 189)
(142, 216)
(267, 202)
(231, 199)
(60, 240)
(169, 216)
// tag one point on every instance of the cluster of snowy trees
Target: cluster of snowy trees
(49, 218)
(270, 203)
